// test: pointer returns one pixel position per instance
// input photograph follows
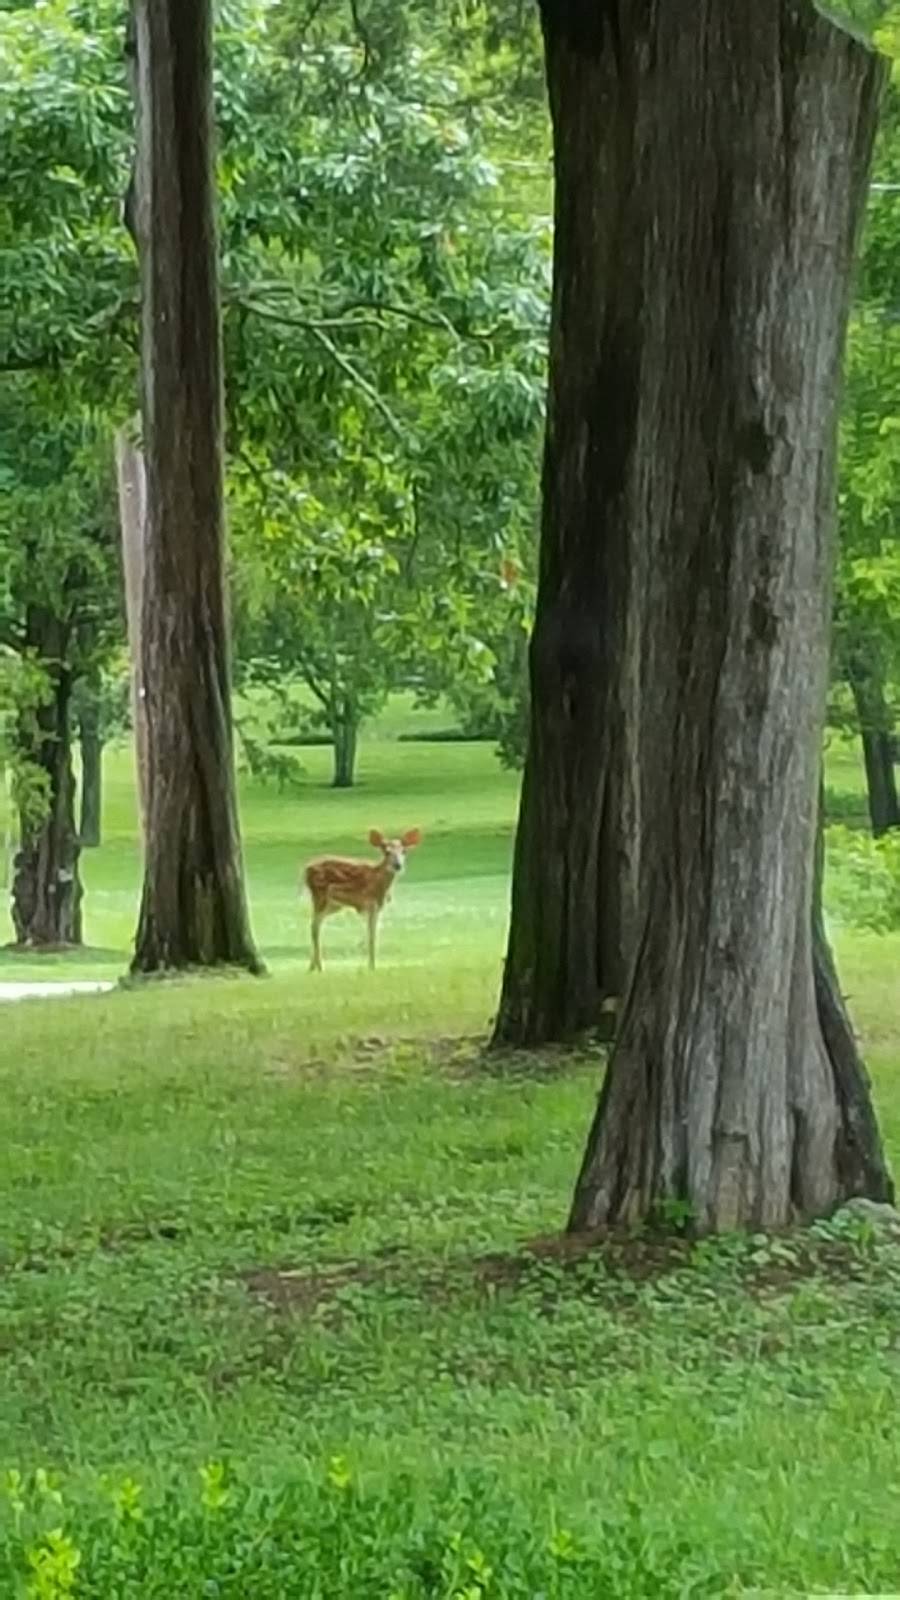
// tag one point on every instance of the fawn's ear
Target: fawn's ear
(411, 839)
(376, 838)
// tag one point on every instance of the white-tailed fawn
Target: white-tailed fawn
(338, 883)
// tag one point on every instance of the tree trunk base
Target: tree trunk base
(30, 950)
(211, 939)
(137, 978)
(675, 1144)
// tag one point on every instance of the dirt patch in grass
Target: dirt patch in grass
(462, 1059)
(594, 1265)
(470, 1057)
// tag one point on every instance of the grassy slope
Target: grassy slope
(157, 1144)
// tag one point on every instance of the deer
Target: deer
(338, 883)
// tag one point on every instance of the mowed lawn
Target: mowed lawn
(456, 888)
(262, 1244)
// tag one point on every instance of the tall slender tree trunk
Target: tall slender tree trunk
(7, 831)
(345, 734)
(193, 909)
(877, 735)
(711, 167)
(132, 486)
(46, 889)
(91, 745)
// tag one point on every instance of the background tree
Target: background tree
(68, 293)
(390, 338)
(867, 636)
(867, 653)
(316, 596)
(23, 785)
(193, 907)
(59, 615)
(101, 713)
(385, 249)
(67, 308)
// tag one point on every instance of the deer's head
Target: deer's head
(395, 850)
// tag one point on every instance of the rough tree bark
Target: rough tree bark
(575, 867)
(193, 909)
(711, 166)
(877, 735)
(46, 888)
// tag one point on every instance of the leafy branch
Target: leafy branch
(361, 382)
(319, 330)
(343, 319)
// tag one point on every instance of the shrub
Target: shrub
(327, 1537)
(267, 764)
(862, 879)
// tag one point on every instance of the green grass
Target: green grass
(845, 789)
(722, 1421)
(455, 892)
(399, 718)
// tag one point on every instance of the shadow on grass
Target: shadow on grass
(58, 959)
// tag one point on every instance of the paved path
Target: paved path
(50, 991)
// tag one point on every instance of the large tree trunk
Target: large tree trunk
(46, 890)
(193, 910)
(575, 873)
(877, 734)
(345, 733)
(711, 166)
(91, 743)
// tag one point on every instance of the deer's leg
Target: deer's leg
(373, 927)
(318, 918)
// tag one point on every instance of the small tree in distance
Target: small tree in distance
(58, 620)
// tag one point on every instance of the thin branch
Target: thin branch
(361, 382)
(363, 36)
(12, 638)
(316, 331)
(43, 361)
(435, 319)
(256, 472)
(310, 17)
(417, 530)
(312, 681)
(292, 319)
